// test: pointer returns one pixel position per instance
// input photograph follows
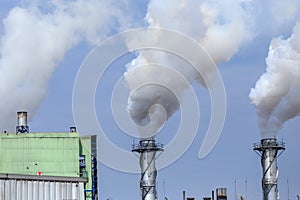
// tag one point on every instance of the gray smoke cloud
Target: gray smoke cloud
(220, 28)
(276, 94)
(35, 40)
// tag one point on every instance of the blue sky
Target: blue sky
(232, 159)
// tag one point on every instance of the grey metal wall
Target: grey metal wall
(40, 190)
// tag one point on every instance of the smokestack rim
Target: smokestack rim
(22, 112)
(268, 143)
(147, 145)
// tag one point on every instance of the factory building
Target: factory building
(47, 165)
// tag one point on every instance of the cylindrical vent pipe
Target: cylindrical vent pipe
(183, 195)
(22, 126)
(72, 129)
(221, 193)
(147, 150)
(213, 195)
(268, 150)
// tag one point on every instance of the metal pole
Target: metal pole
(246, 185)
(288, 189)
(235, 194)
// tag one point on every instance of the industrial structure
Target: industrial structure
(221, 194)
(212, 196)
(47, 165)
(147, 150)
(269, 150)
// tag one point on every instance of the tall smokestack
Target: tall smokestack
(268, 150)
(22, 122)
(147, 150)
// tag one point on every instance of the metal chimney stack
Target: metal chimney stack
(147, 150)
(268, 150)
(22, 126)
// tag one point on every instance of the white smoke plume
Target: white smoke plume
(220, 27)
(276, 94)
(35, 40)
(37, 35)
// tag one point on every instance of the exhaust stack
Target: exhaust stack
(73, 129)
(147, 150)
(22, 126)
(268, 150)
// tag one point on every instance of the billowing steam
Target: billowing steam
(36, 39)
(220, 29)
(276, 94)
(37, 35)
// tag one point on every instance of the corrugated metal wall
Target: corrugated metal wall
(40, 190)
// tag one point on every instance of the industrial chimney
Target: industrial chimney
(147, 149)
(268, 150)
(22, 122)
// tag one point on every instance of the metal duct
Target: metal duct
(22, 126)
(147, 150)
(268, 150)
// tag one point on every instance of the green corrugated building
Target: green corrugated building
(50, 154)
